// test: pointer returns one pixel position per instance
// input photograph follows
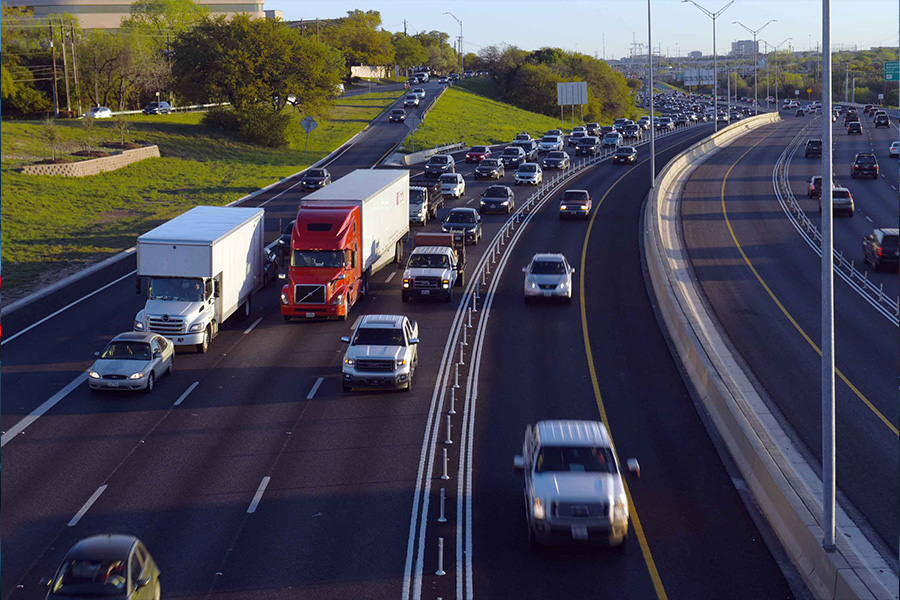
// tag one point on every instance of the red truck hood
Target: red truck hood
(320, 275)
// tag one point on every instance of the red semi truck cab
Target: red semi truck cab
(343, 234)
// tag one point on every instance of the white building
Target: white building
(108, 14)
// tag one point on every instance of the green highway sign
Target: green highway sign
(891, 70)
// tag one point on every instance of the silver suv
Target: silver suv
(574, 490)
(383, 353)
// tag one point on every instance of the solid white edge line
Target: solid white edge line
(391, 276)
(40, 410)
(314, 389)
(258, 495)
(255, 323)
(66, 307)
(186, 393)
(87, 505)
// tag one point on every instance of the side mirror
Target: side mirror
(571, 269)
(157, 354)
(340, 276)
(140, 583)
(216, 290)
(96, 353)
(413, 341)
(633, 467)
(518, 463)
(524, 269)
(345, 339)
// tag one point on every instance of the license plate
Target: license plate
(426, 292)
(579, 532)
(310, 315)
(113, 384)
(547, 294)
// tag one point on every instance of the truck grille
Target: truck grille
(582, 509)
(166, 326)
(309, 294)
(426, 283)
(374, 364)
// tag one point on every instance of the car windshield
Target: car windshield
(441, 261)
(377, 336)
(460, 216)
(416, 196)
(438, 160)
(556, 155)
(86, 578)
(575, 460)
(548, 267)
(449, 178)
(176, 289)
(127, 351)
(528, 169)
(399, 111)
(317, 258)
(315, 173)
(548, 139)
(478, 149)
(578, 134)
(490, 162)
(496, 192)
(511, 151)
(625, 150)
(575, 195)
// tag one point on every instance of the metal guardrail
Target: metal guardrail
(845, 268)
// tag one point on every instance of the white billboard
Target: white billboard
(573, 92)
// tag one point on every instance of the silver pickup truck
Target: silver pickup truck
(383, 352)
(573, 484)
(435, 267)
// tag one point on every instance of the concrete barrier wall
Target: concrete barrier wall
(423, 155)
(736, 410)
(95, 165)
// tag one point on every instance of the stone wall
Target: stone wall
(95, 165)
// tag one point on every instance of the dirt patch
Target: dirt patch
(121, 146)
(91, 153)
(54, 161)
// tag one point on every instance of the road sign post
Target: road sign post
(809, 93)
(413, 122)
(891, 70)
(308, 124)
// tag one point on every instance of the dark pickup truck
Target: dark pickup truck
(425, 198)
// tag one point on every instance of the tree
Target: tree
(121, 125)
(163, 16)
(409, 52)
(358, 38)
(50, 133)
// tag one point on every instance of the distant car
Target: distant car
(420, 92)
(854, 128)
(98, 112)
(398, 115)
(867, 108)
(490, 168)
(497, 198)
(800, 113)
(850, 117)
(841, 201)
(464, 220)
(606, 129)
(132, 361)
(529, 173)
(439, 164)
(864, 164)
(625, 155)
(443, 80)
(587, 146)
(529, 147)
(523, 137)
(813, 148)
(882, 120)
(284, 240)
(270, 267)
(644, 123)
(876, 113)
(411, 101)
(556, 160)
(665, 124)
(814, 187)
(549, 143)
(548, 276)
(894, 150)
(512, 157)
(382, 352)
(453, 184)
(315, 179)
(681, 121)
(592, 128)
(633, 132)
(575, 136)
(575, 203)
(613, 140)
(555, 132)
(158, 108)
(478, 153)
(881, 248)
(106, 566)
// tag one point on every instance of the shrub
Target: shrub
(220, 117)
(261, 125)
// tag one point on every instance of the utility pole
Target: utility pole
(169, 63)
(847, 83)
(404, 27)
(62, 39)
(714, 16)
(55, 86)
(75, 67)
(317, 29)
(650, 78)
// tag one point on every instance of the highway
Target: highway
(773, 320)
(248, 473)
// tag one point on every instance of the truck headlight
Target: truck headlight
(138, 375)
(349, 362)
(94, 375)
(338, 300)
(446, 283)
(584, 207)
(562, 207)
(538, 509)
(196, 327)
(407, 282)
(284, 298)
(138, 325)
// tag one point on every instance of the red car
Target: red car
(478, 153)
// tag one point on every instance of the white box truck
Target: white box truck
(343, 234)
(197, 270)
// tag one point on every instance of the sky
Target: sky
(615, 25)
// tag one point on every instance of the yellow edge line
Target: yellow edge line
(774, 298)
(638, 529)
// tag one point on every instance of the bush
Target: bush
(261, 125)
(220, 117)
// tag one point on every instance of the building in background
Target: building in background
(108, 14)
(695, 54)
(744, 48)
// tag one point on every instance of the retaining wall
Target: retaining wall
(94, 166)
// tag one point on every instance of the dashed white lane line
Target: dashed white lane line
(894, 187)
(87, 506)
(868, 219)
(186, 393)
(470, 201)
(258, 495)
(40, 410)
(391, 276)
(314, 389)
(255, 323)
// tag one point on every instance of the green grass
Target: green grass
(462, 115)
(53, 225)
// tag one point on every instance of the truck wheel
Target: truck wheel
(461, 279)
(203, 346)
(286, 318)
(449, 297)
(398, 253)
(346, 388)
(404, 297)
(245, 310)
(409, 383)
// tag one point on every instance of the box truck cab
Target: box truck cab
(197, 270)
(343, 234)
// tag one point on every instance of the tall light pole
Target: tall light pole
(461, 72)
(652, 124)
(754, 33)
(786, 40)
(714, 16)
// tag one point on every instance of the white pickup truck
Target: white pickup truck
(435, 267)
(573, 485)
(382, 353)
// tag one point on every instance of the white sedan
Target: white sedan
(132, 361)
(548, 276)
(98, 112)
(894, 150)
(453, 184)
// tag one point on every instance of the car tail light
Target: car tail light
(878, 251)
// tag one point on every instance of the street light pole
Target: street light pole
(776, 68)
(461, 72)
(652, 125)
(755, 61)
(714, 16)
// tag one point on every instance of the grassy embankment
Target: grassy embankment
(56, 225)
(464, 115)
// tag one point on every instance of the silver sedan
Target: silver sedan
(548, 276)
(132, 361)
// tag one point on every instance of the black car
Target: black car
(625, 155)
(398, 115)
(587, 146)
(850, 117)
(105, 566)
(158, 108)
(606, 129)
(854, 128)
(575, 136)
(465, 221)
(512, 157)
(270, 267)
(864, 165)
(284, 241)
(497, 198)
(490, 168)
(593, 128)
(555, 160)
(882, 121)
(681, 121)
(881, 248)
(439, 164)
(813, 148)
(529, 147)
(315, 179)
